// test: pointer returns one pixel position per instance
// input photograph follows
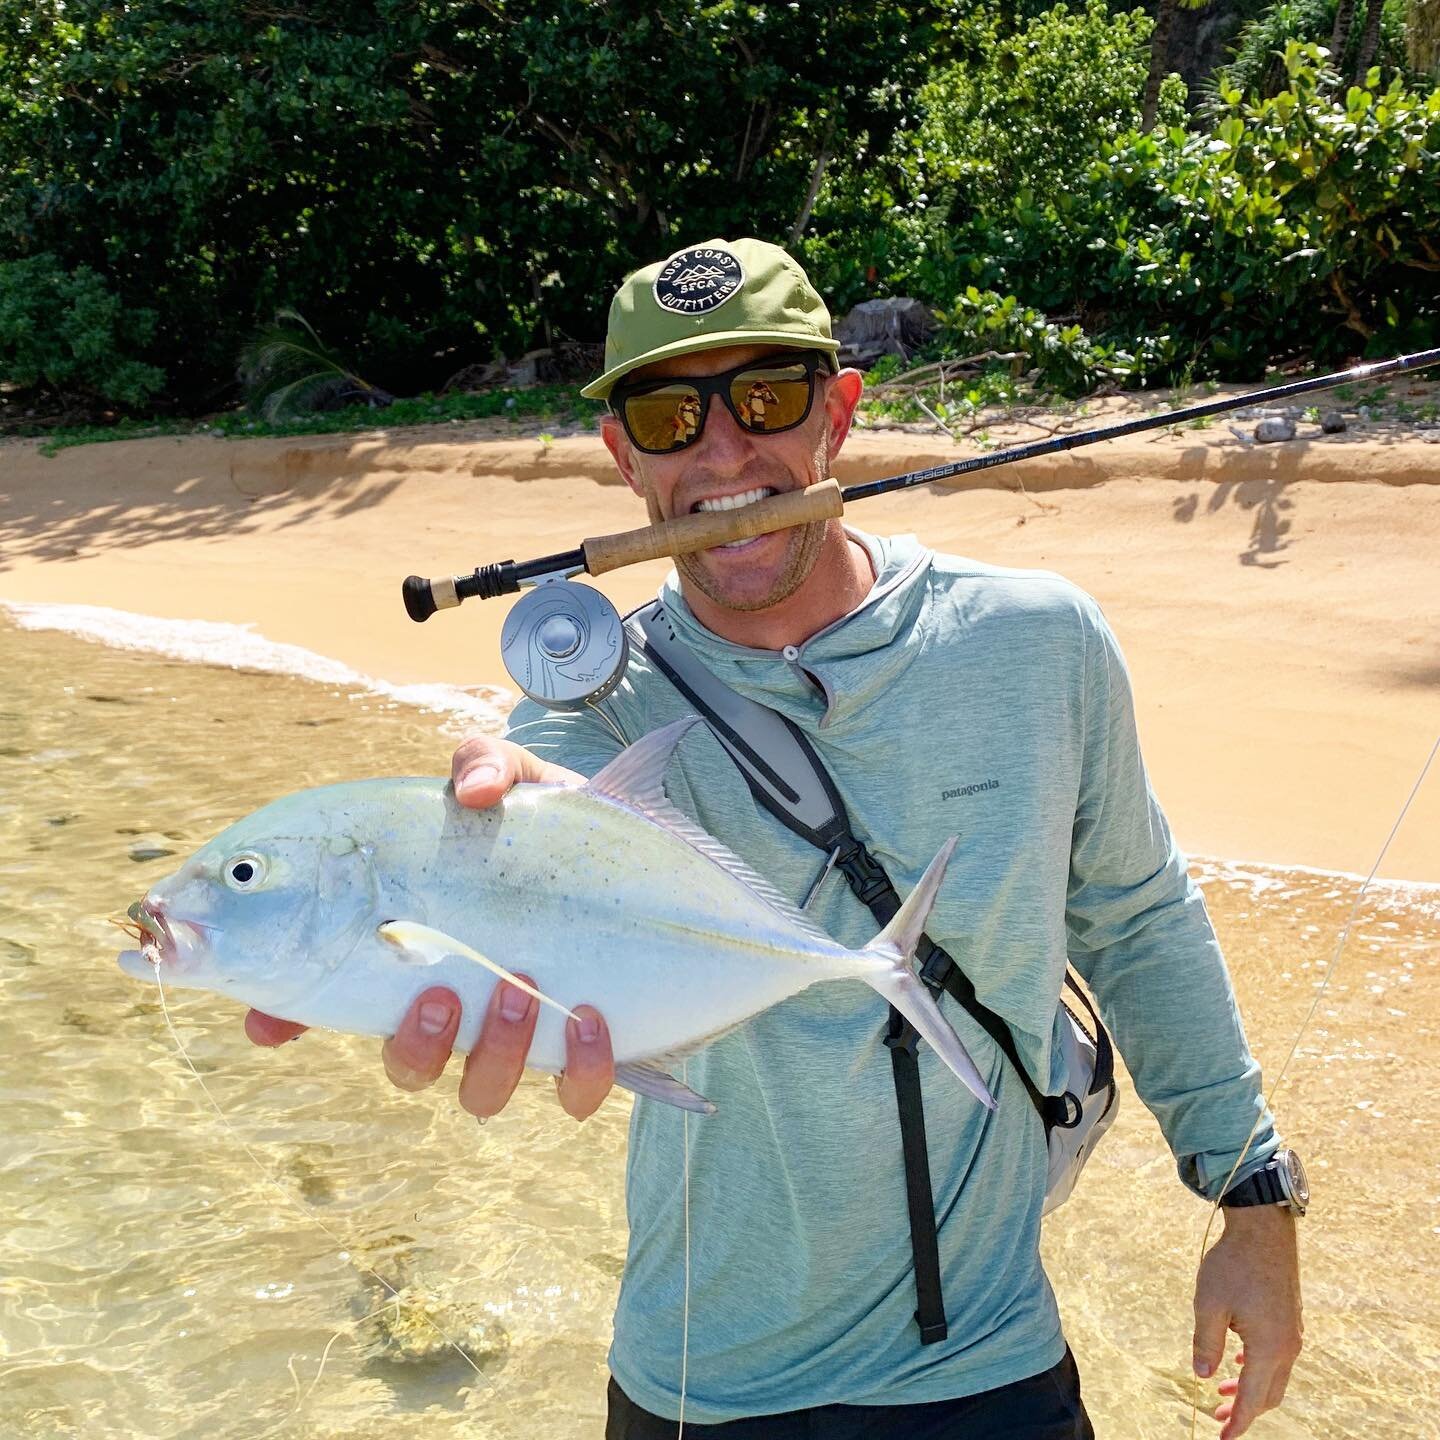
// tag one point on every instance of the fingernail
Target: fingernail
(587, 1027)
(434, 1017)
(476, 776)
(514, 1004)
(1203, 1369)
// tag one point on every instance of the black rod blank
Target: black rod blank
(1057, 443)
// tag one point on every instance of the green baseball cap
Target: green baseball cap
(724, 292)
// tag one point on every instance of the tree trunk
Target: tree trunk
(1159, 56)
(1340, 35)
(1369, 40)
(816, 177)
(1422, 36)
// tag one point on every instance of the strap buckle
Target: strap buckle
(935, 964)
(904, 1037)
(866, 876)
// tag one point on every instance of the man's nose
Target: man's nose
(724, 437)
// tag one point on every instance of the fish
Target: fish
(336, 906)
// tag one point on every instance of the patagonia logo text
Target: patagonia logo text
(960, 791)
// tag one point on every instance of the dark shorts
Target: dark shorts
(1044, 1407)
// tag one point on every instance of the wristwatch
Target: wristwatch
(1280, 1181)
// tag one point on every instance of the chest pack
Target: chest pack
(787, 778)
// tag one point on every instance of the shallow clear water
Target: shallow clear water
(154, 1283)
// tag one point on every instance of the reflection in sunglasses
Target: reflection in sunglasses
(687, 419)
(752, 408)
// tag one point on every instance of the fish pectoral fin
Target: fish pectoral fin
(657, 1084)
(424, 945)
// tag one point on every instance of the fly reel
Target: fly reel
(564, 645)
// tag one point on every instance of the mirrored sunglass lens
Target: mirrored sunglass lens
(664, 419)
(771, 397)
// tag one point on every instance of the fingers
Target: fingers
(493, 1068)
(262, 1029)
(417, 1052)
(1260, 1387)
(589, 1065)
(484, 768)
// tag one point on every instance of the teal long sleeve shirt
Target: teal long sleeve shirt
(958, 699)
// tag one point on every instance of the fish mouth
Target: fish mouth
(164, 938)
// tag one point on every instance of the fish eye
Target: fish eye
(243, 872)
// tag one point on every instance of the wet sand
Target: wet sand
(1277, 604)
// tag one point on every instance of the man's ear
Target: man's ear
(842, 395)
(617, 442)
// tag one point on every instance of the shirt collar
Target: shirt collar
(852, 660)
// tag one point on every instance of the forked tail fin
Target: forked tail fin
(897, 982)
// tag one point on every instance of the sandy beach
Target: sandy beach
(1277, 603)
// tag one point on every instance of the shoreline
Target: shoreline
(1280, 631)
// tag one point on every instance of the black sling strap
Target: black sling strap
(817, 814)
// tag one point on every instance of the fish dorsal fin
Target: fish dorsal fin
(636, 778)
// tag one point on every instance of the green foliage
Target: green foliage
(1065, 358)
(990, 179)
(1046, 99)
(1257, 63)
(427, 183)
(1301, 221)
(68, 330)
(430, 184)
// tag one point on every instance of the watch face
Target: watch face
(1295, 1173)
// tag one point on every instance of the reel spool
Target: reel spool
(564, 644)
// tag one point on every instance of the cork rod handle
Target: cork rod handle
(715, 527)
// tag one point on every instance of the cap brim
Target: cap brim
(600, 389)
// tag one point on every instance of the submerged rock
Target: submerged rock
(418, 1326)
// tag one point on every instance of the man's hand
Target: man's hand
(1250, 1283)
(483, 770)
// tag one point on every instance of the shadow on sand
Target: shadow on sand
(73, 514)
(1267, 498)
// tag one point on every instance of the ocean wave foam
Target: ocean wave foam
(1288, 882)
(240, 647)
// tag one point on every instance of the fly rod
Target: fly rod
(564, 645)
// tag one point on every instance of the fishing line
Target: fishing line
(685, 1314)
(1299, 1035)
(344, 1249)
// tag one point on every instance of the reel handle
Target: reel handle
(817, 502)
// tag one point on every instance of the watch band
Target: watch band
(1264, 1187)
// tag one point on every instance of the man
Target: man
(944, 697)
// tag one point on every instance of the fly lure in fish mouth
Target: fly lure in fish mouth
(147, 928)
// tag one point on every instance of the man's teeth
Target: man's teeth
(734, 502)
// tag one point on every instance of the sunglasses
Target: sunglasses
(765, 397)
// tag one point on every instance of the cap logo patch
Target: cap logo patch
(695, 282)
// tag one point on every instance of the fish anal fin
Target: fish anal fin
(419, 944)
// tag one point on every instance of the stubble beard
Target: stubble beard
(801, 553)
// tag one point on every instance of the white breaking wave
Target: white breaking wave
(240, 647)
(1288, 882)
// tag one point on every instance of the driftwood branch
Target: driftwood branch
(947, 368)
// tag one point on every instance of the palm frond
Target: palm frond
(286, 370)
